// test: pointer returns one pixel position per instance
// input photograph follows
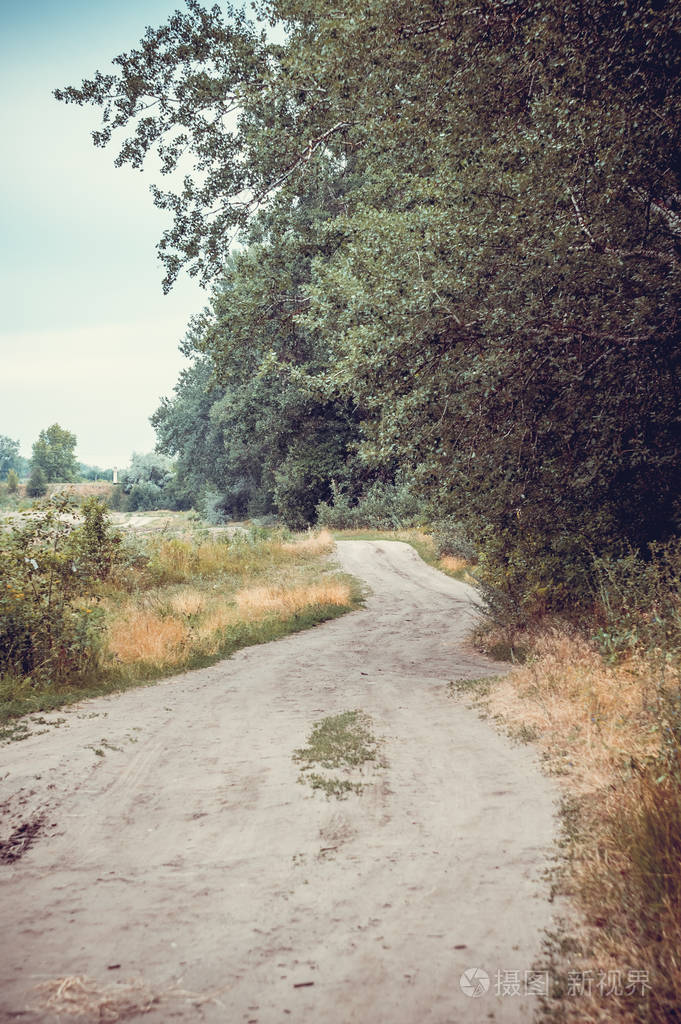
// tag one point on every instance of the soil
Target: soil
(172, 867)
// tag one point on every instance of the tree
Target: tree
(12, 482)
(54, 453)
(9, 456)
(37, 483)
(495, 291)
(149, 482)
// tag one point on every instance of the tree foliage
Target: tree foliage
(480, 209)
(149, 482)
(36, 486)
(54, 454)
(9, 456)
(51, 563)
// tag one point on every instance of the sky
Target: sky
(87, 338)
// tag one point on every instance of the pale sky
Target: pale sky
(87, 338)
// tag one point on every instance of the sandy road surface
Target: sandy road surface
(187, 858)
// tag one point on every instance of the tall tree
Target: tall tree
(499, 288)
(9, 456)
(54, 453)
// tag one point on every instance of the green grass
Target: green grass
(343, 742)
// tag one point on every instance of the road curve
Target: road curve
(183, 874)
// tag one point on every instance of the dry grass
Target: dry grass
(182, 602)
(182, 558)
(141, 636)
(604, 731)
(230, 586)
(84, 489)
(588, 714)
(258, 602)
(313, 544)
(188, 602)
(82, 997)
(452, 564)
(195, 622)
(86, 999)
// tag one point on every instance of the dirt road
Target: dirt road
(179, 866)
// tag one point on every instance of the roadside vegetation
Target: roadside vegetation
(86, 609)
(454, 301)
(601, 696)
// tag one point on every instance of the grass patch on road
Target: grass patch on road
(344, 742)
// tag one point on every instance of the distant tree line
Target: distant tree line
(52, 460)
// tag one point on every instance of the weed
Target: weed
(333, 786)
(16, 731)
(344, 742)
(523, 733)
(478, 689)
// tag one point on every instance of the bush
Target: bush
(384, 506)
(339, 514)
(50, 568)
(451, 538)
(639, 601)
(37, 483)
(144, 497)
(213, 508)
(118, 499)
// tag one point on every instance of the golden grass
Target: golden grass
(588, 714)
(142, 636)
(601, 730)
(188, 602)
(182, 558)
(209, 587)
(81, 997)
(452, 564)
(258, 602)
(173, 605)
(84, 489)
(310, 544)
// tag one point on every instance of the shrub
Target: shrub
(639, 601)
(451, 538)
(50, 567)
(213, 508)
(37, 483)
(144, 497)
(339, 513)
(118, 499)
(383, 506)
